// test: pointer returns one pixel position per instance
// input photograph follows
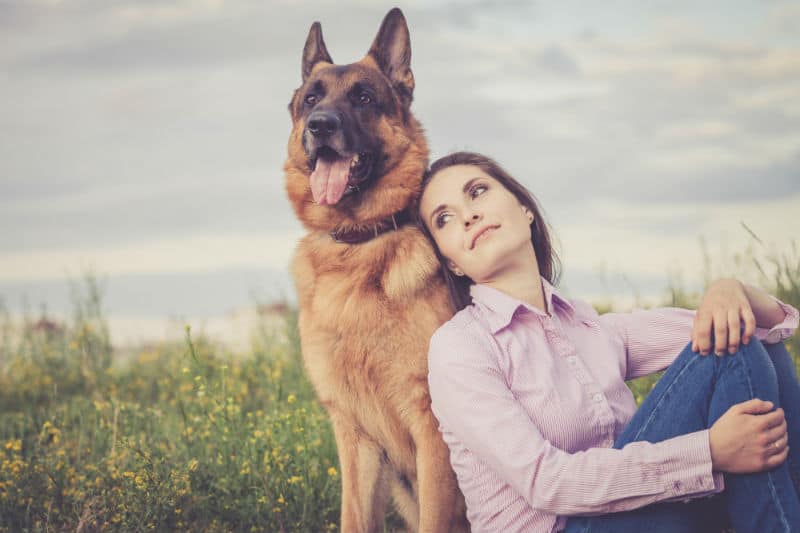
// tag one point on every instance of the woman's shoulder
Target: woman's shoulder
(464, 322)
(461, 336)
(583, 309)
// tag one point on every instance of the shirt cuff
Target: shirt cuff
(686, 470)
(782, 331)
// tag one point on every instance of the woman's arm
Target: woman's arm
(652, 338)
(767, 310)
(475, 407)
(732, 311)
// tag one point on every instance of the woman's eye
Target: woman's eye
(311, 99)
(442, 219)
(477, 190)
(364, 99)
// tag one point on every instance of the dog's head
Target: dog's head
(356, 154)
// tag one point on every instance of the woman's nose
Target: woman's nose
(471, 219)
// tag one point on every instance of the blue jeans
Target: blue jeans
(693, 393)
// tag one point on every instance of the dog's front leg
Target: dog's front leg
(365, 492)
(441, 507)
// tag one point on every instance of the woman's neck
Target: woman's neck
(522, 282)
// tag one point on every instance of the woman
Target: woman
(529, 389)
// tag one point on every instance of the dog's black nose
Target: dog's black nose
(323, 123)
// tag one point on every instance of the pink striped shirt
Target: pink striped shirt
(530, 404)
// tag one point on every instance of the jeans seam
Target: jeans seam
(770, 482)
(660, 401)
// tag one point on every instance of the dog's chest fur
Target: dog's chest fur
(362, 317)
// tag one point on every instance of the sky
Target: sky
(143, 141)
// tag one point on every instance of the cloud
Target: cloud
(203, 253)
(641, 119)
(783, 20)
(133, 35)
(650, 243)
(143, 133)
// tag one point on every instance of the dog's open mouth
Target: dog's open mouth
(335, 175)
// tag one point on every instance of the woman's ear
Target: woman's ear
(527, 213)
(454, 268)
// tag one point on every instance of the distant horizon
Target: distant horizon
(233, 325)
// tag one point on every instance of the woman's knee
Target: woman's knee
(756, 354)
(778, 348)
(754, 357)
(754, 360)
(780, 356)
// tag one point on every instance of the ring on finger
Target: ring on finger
(776, 444)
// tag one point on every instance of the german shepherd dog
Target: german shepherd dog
(368, 283)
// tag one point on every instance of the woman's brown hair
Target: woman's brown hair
(546, 256)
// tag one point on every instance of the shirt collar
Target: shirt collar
(499, 307)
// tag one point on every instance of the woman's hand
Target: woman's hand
(725, 306)
(749, 438)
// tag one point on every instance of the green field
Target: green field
(176, 437)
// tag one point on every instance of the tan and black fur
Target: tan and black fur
(367, 310)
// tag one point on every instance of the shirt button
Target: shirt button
(677, 485)
(572, 360)
(597, 397)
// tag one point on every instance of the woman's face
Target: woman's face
(477, 224)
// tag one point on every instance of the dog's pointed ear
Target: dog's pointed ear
(314, 51)
(391, 49)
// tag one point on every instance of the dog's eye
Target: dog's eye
(364, 99)
(310, 99)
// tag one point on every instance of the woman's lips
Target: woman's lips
(482, 233)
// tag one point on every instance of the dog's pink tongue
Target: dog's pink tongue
(329, 180)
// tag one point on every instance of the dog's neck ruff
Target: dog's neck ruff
(365, 233)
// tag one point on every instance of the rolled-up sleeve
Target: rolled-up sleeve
(474, 404)
(784, 330)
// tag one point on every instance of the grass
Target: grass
(182, 436)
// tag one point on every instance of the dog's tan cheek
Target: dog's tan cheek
(390, 129)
